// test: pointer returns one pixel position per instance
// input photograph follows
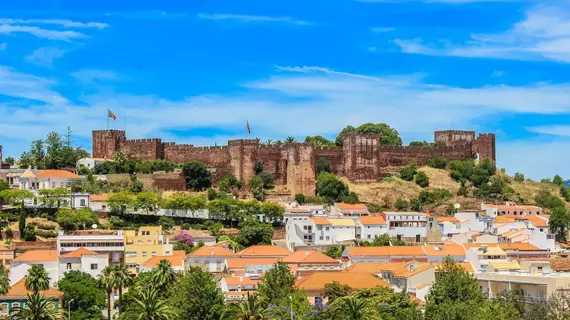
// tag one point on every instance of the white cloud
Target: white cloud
(542, 159)
(60, 22)
(253, 18)
(66, 35)
(544, 34)
(327, 99)
(45, 56)
(93, 75)
(382, 29)
(497, 74)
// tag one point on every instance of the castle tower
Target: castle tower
(243, 154)
(107, 142)
(361, 152)
(484, 146)
(300, 162)
(454, 137)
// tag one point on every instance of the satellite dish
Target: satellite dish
(457, 206)
(94, 226)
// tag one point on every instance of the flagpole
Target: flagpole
(107, 121)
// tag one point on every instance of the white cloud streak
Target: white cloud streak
(94, 75)
(66, 35)
(45, 56)
(60, 22)
(253, 18)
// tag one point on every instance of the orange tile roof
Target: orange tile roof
(175, 261)
(320, 221)
(309, 257)
(179, 253)
(61, 174)
(406, 270)
(386, 251)
(560, 264)
(343, 206)
(366, 251)
(465, 265)
(18, 291)
(264, 251)
(447, 219)
(405, 251)
(316, 281)
(37, 256)
(515, 207)
(444, 250)
(78, 253)
(99, 197)
(503, 219)
(236, 281)
(240, 263)
(372, 220)
(519, 246)
(212, 252)
(373, 267)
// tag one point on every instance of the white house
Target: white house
(345, 209)
(409, 226)
(98, 202)
(83, 260)
(111, 244)
(510, 208)
(473, 221)
(370, 227)
(212, 259)
(46, 258)
(48, 179)
(177, 261)
(481, 257)
(236, 288)
(90, 163)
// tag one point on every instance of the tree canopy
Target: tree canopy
(388, 136)
(197, 176)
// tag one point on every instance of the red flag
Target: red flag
(110, 114)
(248, 127)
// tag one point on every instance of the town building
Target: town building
(510, 208)
(263, 251)
(407, 226)
(320, 232)
(177, 261)
(535, 286)
(98, 202)
(481, 257)
(83, 260)
(48, 179)
(143, 244)
(246, 266)
(370, 227)
(303, 263)
(49, 259)
(111, 243)
(17, 297)
(211, 259)
(90, 163)
(236, 288)
(349, 210)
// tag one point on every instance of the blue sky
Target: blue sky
(195, 71)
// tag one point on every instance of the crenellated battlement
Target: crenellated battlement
(157, 140)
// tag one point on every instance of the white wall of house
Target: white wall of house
(369, 231)
(448, 229)
(542, 240)
(211, 264)
(17, 272)
(51, 268)
(470, 221)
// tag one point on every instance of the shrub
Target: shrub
(212, 194)
(422, 179)
(438, 163)
(331, 187)
(401, 205)
(258, 168)
(323, 165)
(228, 183)
(46, 226)
(267, 179)
(557, 180)
(46, 233)
(518, 177)
(351, 198)
(300, 198)
(197, 176)
(408, 173)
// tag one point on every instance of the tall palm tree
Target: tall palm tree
(147, 305)
(290, 139)
(37, 307)
(352, 308)
(163, 275)
(122, 279)
(269, 142)
(4, 279)
(106, 281)
(253, 308)
(37, 279)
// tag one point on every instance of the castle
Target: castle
(362, 158)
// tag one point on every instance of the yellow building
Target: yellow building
(143, 244)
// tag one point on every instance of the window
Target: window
(94, 266)
(153, 253)
(305, 237)
(319, 227)
(82, 202)
(369, 236)
(131, 254)
(327, 229)
(149, 242)
(144, 253)
(167, 253)
(4, 309)
(68, 266)
(139, 242)
(304, 227)
(321, 238)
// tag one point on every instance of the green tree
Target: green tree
(86, 297)
(253, 308)
(300, 198)
(418, 143)
(256, 187)
(352, 308)
(351, 198)
(401, 205)
(290, 139)
(3, 186)
(18, 197)
(106, 281)
(4, 279)
(565, 193)
(319, 141)
(518, 177)
(37, 279)
(197, 176)
(547, 200)
(257, 168)
(197, 296)
(407, 173)
(323, 165)
(136, 186)
(334, 251)
(382, 240)
(267, 180)
(119, 202)
(79, 219)
(121, 279)
(148, 201)
(167, 223)
(454, 293)
(438, 163)
(10, 161)
(148, 305)
(557, 180)
(272, 211)
(228, 183)
(52, 198)
(276, 284)
(422, 179)
(331, 187)
(388, 136)
(253, 232)
(182, 201)
(559, 222)
(36, 307)
(212, 194)
(163, 275)
(335, 290)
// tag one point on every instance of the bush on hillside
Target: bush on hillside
(438, 163)
(408, 173)
(422, 179)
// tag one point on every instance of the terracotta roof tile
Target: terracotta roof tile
(372, 220)
(366, 251)
(99, 197)
(179, 253)
(519, 246)
(264, 251)
(323, 221)
(405, 251)
(309, 257)
(444, 250)
(212, 252)
(316, 281)
(61, 174)
(407, 270)
(236, 281)
(344, 206)
(18, 291)
(240, 263)
(465, 265)
(447, 219)
(78, 253)
(38, 256)
(175, 261)
(373, 267)
(560, 264)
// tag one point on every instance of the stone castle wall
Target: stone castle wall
(362, 158)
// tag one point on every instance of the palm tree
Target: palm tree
(147, 305)
(37, 307)
(106, 281)
(252, 308)
(4, 279)
(163, 275)
(269, 142)
(37, 279)
(290, 139)
(232, 244)
(121, 279)
(352, 308)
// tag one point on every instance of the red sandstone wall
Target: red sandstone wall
(300, 172)
(484, 145)
(243, 155)
(454, 137)
(143, 149)
(273, 162)
(420, 155)
(334, 155)
(217, 159)
(106, 143)
(361, 157)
